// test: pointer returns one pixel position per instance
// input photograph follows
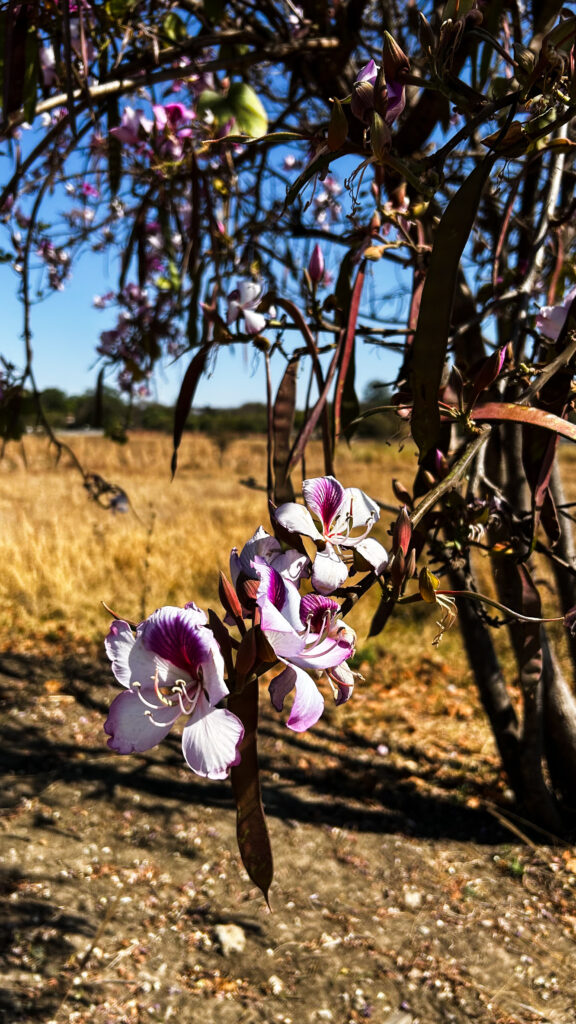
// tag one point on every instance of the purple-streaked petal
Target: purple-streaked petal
(297, 519)
(372, 552)
(309, 702)
(211, 740)
(323, 496)
(272, 587)
(315, 608)
(130, 662)
(130, 724)
(328, 571)
(254, 322)
(173, 634)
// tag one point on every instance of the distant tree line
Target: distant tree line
(106, 410)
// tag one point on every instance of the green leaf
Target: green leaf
(174, 28)
(247, 108)
(431, 336)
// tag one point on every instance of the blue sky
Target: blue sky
(66, 328)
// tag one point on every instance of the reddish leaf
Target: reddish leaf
(525, 414)
(282, 426)
(185, 398)
(348, 349)
(251, 828)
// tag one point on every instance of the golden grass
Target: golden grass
(61, 554)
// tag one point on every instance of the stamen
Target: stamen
(162, 725)
(161, 697)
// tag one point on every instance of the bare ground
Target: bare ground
(403, 895)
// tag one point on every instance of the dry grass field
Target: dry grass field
(62, 554)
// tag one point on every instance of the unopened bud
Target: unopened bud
(381, 94)
(402, 533)
(316, 265)
(525, 59)
(338, 127)
(402, 493)
(426, 35)
(362, 100)
(398, 569)
(229, 597)
(428, 584)
(411, 564)
(380, 137)
(394, 60)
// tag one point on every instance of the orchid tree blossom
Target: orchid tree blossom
(172, 124)
(551, 319)
(339, 510)
(171, 667)
(306, 635)
(290, 564)
(243, 302)
(134, 128)
(362, 100)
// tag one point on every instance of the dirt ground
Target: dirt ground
(403, 895)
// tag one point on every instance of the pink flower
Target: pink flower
(551, 319)
(172, 667)
(134, 128)
(338, 510)
(306, 635)
(242, 302)
(362, 100)
(316, 265)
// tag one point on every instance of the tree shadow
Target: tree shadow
(360, 793)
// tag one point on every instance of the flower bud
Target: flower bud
(525, 59)
(380, 136)
(338, 127)
(428, 585)
(398, 569)
(316, 265)
(229, 597)
(489, 372)
(362, 100)
(402, 533)
(426, 35)
(394, 60)
(402, 493)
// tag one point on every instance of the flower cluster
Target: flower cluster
(172, 666)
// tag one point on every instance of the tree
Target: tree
(203, 140)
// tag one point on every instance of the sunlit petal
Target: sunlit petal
(211, 741)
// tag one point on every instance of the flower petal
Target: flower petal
(211, 740)
(308, 701)
(373, 553)
(174, 634)
(130, 724)
(357, 510)
(250, 293)
(324, 496)
(130, 662)
(328, 571)
(254, 322)
(297, 519)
